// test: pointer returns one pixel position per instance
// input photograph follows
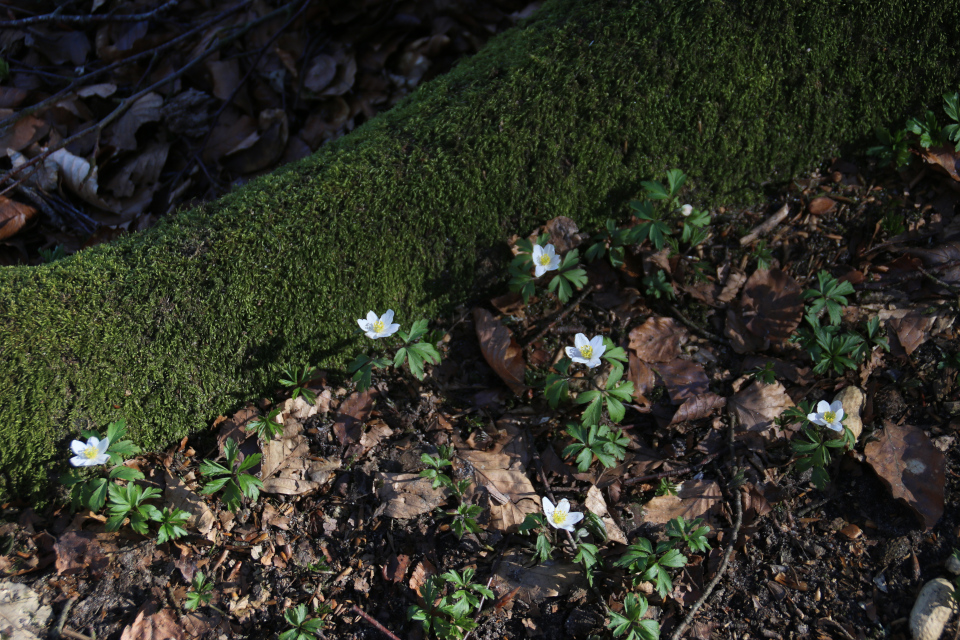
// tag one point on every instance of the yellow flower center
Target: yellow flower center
(544, 260)
(91, 452)
(830, 416)
(559, 517)
(378, 326)
(586, 351)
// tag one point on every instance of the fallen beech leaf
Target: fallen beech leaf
(547, 580)
(79, 550)
(741, 339)
(151, 624)
(353, 413)
(23, 133)
(685, 380)
(698, 407)
(288, 468)
(396, 568)
(912, 469)
(122, 135)
(598, 506)
(503, 474)
(772, 305)
(658, 340)
(563, 233)
(143, 170)
(793, 584)
(693, 499)
(377, 431)
(262, 148)
(322, 70)
(822, 205)
(757, 406)
(177, 496)
(103, 90)
(500, 350)
(13, 215)
(420, 574)
(236, 426)
(945, 158)
(79, 177)
(913, 328)
(407, 495)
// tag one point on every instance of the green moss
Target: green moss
(561, 116)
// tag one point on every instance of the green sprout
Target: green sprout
(230, 478)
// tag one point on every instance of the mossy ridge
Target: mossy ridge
(561, 116)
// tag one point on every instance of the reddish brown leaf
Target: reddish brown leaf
(500, 350)
(698, 407)
(742, 340)
(79, 550)
(695, 498)
(758, 405)
(912, 327)
(353, 413)
(945, 158)
(13, 215)
(684, 379)
(822, 205)
(154, 625)
(644, 378)
(658, 340)
(396, 568)
(564, 233)
(772, 305)
(912, 468)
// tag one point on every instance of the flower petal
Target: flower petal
(548, 507)
(839, 413)
(815, 418)
(573, 518)
(823, 406)
(563, 506)
(539, 270)
(550, 251)
(372, 317)
(537, 252)
(573, 353)
(580, 340)
(80, 461)
(103, 446)
(78, 446)
(387, 318)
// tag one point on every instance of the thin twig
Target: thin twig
(687, 619)
(949, 287)
(58, 630)
(667, 474)
(563, 314)
(368, 618)
(84, 79)
(56, 16)
(696, 328)
(128, 102)
(67, 632)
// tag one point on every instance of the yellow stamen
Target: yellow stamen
(830, 416)
(544, 260)
(559, 517)
(586, 351)
(378, 326)
(90, 453)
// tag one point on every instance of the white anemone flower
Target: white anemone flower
(544, 259)
(381, 327)
(560, 516)
(828, 415)
(586, 352)
(686, 210)
(91, 453)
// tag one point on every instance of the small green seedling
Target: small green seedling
(830, 294)
(692, 533)
(631, 622)
(201, 592)
(764, 374)
(647, 563)
(893, 148)
(130, 501)
(172, 523)
(536, 523)
(763, 255)
(609, 447)
(658, 286)
(298, 381)
(816, 453)
(666, 488)
(304, 628)
(449, 616)
(267, 427)
(230, 478)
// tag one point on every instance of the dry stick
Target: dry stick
(55, 16)
(667, 474)
(57, 631)
(703, 333)
(368, 618)
(563, 314)
(67, 632)
(82, 80)
(236, 90)
(687, 619)
(128, 102)
(766, 226)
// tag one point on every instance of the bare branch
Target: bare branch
(56, 16)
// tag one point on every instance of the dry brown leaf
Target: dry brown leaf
(144, 169)
(685, 380)
(345, 77)
(262, 148)
(658, 339)
(564, 233)
(537, 583)
(503, 474)
(288, 459)
(598, 506)
(822, 205)
(783, 369)
(757, 406)
(420, 574)
(177, 496)
(236, 426)
(698, 407)
(500, 350)
(377, 431)
(644, 379)
(79, 177)
(151, 624)
(913, 327)
(772, 305)
(353, 413)
(396, 568)
(77, 551)
(122, 135)
(228, 134)
(694, 498)
(225, 75)
(912, 469)
(13, 215)
(944, 157)
(321, 73)
(103, 90)
(23, 133)
(741, 339)
(407, 495)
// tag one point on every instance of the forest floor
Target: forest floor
(346, 526)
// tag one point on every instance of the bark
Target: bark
(564, 115)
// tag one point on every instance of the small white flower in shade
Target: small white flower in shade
(544, 259)
(586, 352)
(828, 415)
(89, 453)
(686, 210)
(380, 327)
(560, 516)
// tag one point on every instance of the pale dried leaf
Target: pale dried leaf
(537, 583)
(102, 90)
(911, 468)
(758, 405)
(377, 431)
(693, 499)
(500, 350)
(698, 407)
(321, 73)
(79, 177)
(658, 339)
(772, 305)
(407, 495)
(13, 215)
(564, 234)
(122, 135)
(161, 625)
(178, 496)
(598, 506)
(944, 157)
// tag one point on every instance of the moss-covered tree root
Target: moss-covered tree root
(562, 115)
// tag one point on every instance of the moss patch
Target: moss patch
(563, 115)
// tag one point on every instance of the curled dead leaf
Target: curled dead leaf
(13, 215)
(658, 339)
(822, 205)
(500, 350)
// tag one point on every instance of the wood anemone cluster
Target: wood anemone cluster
(563, 115)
